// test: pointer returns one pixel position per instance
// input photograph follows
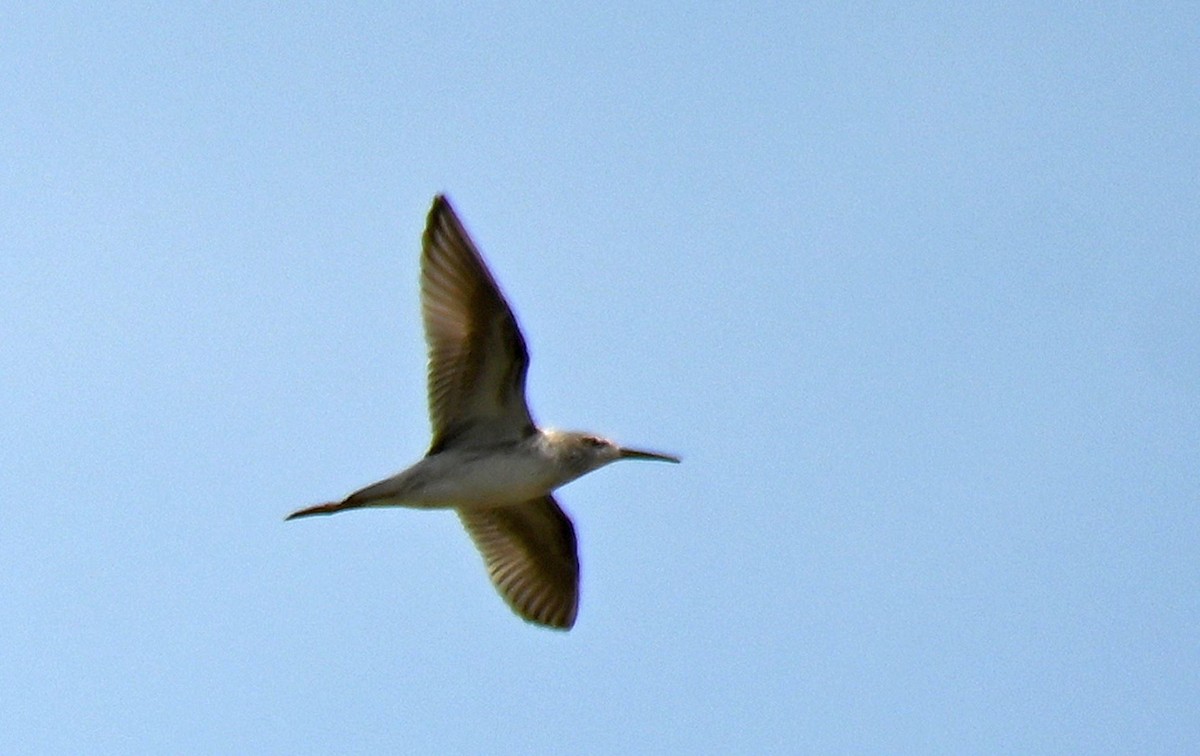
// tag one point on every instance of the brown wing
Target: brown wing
(477, 357)
(531, 556)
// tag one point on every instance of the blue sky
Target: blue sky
(913, 289)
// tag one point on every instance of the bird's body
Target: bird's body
(488, 461)
(476, 476)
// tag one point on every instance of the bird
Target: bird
(488, 460)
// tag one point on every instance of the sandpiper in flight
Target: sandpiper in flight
(488, 461)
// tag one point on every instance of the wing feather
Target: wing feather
(477, 357)
(532, 558)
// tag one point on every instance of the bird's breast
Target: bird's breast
(485, 477)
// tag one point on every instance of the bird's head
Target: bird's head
(584, 452)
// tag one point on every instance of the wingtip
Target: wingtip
(557, 624)
(440, 213)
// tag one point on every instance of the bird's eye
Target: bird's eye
(593, 441)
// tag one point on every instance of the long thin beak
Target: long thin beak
(639, 454)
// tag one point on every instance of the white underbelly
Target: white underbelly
(482, 481)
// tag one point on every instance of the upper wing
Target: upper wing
(531, 556)
(477, 357)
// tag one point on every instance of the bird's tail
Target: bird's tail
(322, 509)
